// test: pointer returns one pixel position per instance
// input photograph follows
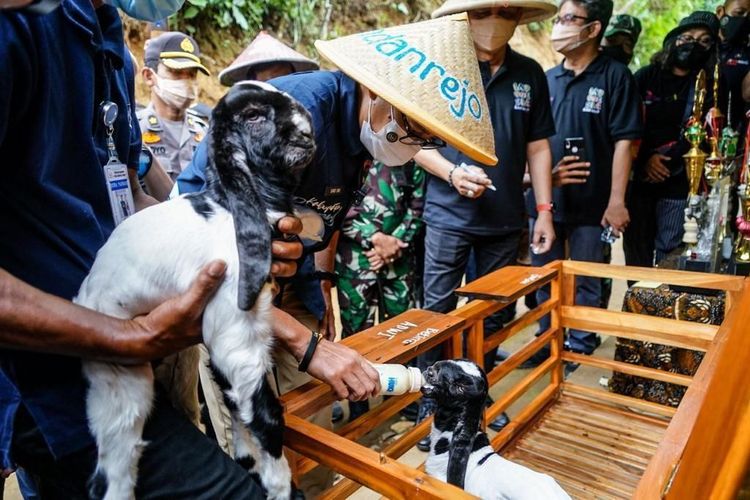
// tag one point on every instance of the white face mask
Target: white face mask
(176, 93)
(491, 33)
(390, 153)
(567, 38)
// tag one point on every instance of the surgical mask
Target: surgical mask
(617, 52)
(566, 38)
(176, 93)
(384, 146)
(148, 10)
(736, 29)
(491, 33)
(688, 56)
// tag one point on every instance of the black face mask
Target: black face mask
(617, 52)
(736, 29)
(689, 56)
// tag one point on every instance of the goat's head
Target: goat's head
(269, 134)
(261, 140)
(455, 383)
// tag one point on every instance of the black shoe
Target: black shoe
(537, 359)
(569, 368)
(501, 355)
(337, 415)
(426, 408)
(357, 409)
(410, 412)
(499, 423)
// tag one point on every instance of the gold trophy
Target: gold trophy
(695, 161)
(716, 122)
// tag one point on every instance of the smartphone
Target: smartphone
(574, 146)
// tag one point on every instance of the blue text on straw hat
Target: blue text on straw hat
(453, 90)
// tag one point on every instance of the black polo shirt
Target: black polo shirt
(518, 100)
(735, 63)
(602, 106)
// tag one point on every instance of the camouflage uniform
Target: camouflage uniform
(393, 206)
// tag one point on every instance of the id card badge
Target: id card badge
(120, 194)
(115, 172)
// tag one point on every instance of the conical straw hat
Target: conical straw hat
(429, 72)
(264, 49)
(532, 11)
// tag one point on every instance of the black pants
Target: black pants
(178, 462)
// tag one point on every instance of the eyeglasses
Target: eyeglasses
(706, 40)
(412, 139)
(568, 19)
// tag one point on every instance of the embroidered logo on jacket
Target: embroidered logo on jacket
(522, 96)
(594, 101)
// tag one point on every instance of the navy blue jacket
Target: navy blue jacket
(54, 70)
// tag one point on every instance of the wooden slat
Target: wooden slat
(591, 451)
(346, 487)
(475, 343)
(376, 471)
(518, 390)
(508, 284)
(628, 368)
(556, 346)
(671, 332)
(691, 279)
(519, 324)
(365, 423)
(619, 399)
(517, 358)
(511, 430)
(715, 457)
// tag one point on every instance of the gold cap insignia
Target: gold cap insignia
(152, 120)
(187, 45)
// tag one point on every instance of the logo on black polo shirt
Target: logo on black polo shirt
(594, 101)
(522, 96)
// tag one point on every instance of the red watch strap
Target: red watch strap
(544, 207)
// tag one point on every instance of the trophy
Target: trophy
(695, 161)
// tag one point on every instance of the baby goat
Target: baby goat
(460, 453)
(260, 142)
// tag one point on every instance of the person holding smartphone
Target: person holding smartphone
(597, 113)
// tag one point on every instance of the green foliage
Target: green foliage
(296, 18)
(658, 17)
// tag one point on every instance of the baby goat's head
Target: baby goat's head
(455, 383)
(269, 128)
(260, 141)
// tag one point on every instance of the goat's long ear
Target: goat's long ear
(230, 179)
(458, 457)
(253, 243)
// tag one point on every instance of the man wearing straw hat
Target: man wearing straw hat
(470, 207)
(265, 58)
(398, 90)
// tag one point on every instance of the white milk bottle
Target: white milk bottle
(396, 380)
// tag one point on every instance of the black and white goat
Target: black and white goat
(260, 142)
(460, 453)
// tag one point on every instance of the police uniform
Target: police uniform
(171, 144)
(173, 154)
